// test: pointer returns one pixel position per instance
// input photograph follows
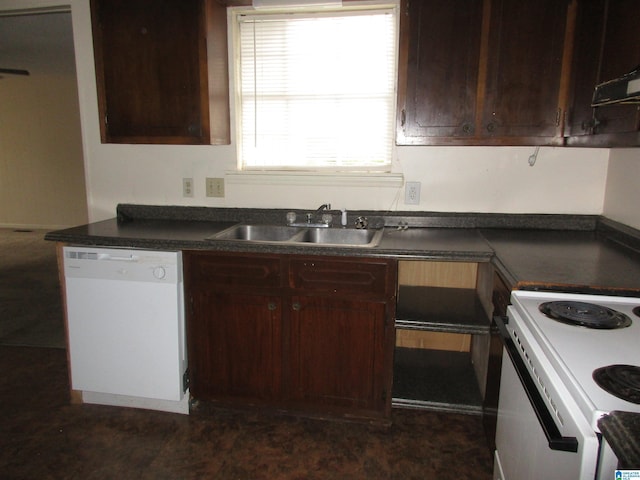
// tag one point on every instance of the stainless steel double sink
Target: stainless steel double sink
(321, 236)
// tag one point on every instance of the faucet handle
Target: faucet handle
(362, 222)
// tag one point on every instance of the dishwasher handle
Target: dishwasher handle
(549, 427)
(118, 258)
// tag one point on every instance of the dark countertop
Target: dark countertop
(581, 261)
(622, 432)
(558, 252)
(156, 234)
(172, 234)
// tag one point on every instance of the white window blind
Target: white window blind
(317, 90)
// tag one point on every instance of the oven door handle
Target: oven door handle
(551, 431)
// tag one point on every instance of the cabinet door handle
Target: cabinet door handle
(272, 306)
(296, 306)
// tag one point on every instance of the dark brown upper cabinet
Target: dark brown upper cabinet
(483, 72)
(607, 45)
(161, 71)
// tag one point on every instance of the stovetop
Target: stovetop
(577, 351)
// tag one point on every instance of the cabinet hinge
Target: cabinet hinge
(558, 117)
(185, 380)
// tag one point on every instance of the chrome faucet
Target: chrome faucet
(324, 206)
(313, 219)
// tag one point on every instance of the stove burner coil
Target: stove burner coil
(585, 314)
(622, 381)
(636, 311)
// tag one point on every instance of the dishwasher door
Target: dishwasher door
(125, 322)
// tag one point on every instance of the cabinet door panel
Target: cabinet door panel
(337, 353)
(586, 61)
(607, 45)
(442, 69)
(526, 47)
(620, 55)
(235, 346)
(151, 67)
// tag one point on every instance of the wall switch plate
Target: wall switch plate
(187, 187)
(412, 193)
(215, 187)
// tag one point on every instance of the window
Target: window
(316, 90)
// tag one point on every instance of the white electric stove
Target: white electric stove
(569, 359)
(576, 351)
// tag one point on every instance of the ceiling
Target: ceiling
(41, 43)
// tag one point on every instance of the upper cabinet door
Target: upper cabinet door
(483, 72)
(524, 70)
(607, 47)
(152, 70)
(439, 52)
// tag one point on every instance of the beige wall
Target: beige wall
(41, 163)
(622, 200)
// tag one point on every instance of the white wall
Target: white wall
(455, 179)
(622, 200)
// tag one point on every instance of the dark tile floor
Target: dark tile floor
(42, 436)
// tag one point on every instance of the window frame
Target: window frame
(234, 46)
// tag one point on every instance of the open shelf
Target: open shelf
(435, 380)
(438, 309)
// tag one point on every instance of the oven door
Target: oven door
(538, 435)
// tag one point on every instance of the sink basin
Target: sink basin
(340, 236)
(258, 233)
(344, 237)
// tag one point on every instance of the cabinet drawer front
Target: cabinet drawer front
(362, 276)
(233, 271)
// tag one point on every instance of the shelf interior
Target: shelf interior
(436, 380)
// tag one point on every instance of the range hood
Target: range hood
(625, 89)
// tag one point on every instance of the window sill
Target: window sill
(355, 179)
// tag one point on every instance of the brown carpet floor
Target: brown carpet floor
(43, 436)
(30, 302)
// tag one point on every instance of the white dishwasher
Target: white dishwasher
(125, 314)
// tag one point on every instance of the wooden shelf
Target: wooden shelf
(438, 309)
(435, 380)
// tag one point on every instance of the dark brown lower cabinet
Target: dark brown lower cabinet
(311, 335)
(337, 353)
(237, 344)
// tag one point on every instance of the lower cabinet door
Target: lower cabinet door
(235, 345)
(337, 354)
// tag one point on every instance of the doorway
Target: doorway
(42, 182)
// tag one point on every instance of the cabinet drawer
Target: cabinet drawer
(230, 271)
(368, 277)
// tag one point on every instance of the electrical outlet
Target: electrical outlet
(412, 193)
(215, 187)
(187, 187)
